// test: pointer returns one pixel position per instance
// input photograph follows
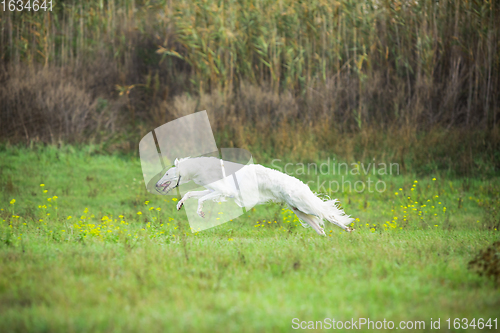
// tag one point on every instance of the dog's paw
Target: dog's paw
(179, 205)
(201, 213)
(349, 229)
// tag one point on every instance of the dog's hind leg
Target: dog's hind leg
(340, 225)
(312, 220)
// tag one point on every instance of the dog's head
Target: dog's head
(169, 180)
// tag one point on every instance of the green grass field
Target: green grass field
(75, 255)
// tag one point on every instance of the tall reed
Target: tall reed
(442, 57)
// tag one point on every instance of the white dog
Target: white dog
(269, 185)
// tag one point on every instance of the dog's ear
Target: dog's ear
(176, 162)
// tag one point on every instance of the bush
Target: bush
(487, 262)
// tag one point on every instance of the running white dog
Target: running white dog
(272, 186)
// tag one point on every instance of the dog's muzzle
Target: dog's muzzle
(165, 187)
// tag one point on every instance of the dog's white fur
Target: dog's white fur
(272, 186)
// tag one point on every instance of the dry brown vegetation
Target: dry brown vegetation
(414, 82)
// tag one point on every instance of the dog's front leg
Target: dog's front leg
(193, 194)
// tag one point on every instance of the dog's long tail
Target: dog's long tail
(331, 212)
(329, 209)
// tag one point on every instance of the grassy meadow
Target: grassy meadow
(91, 250)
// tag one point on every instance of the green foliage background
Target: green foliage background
(407, 82)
